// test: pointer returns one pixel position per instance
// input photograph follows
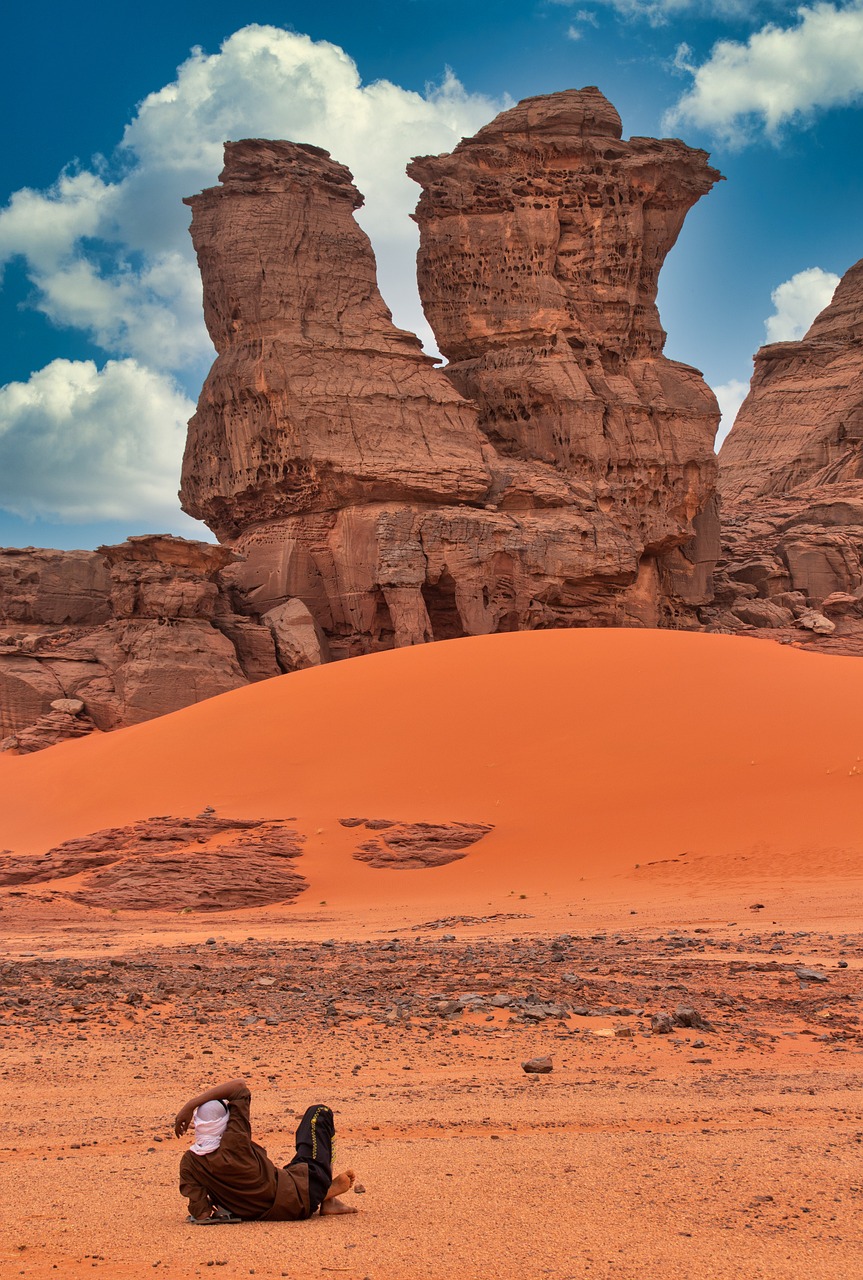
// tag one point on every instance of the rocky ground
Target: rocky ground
(702, 1118)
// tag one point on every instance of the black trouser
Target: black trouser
(315, 1135)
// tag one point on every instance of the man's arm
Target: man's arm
(232, 1089)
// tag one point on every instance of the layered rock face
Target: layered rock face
(316, 401)
(791, 474)
(116, 636)
(541, 243)
(559, 472)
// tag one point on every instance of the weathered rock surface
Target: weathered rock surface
(559, 472)
(791, 474)
(411, 846)
(316, 400)
(541, 242)
(399, 503)
(205, 863)
(130, 631)
(802, 422)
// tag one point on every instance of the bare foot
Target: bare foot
(341, 1183)
(336, 1206)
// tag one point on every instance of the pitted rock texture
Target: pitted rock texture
(204, 864)
(399, 504)
(411, 846)
(541, 242)
(791, 474)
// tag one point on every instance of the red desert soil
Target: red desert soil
(675, 825)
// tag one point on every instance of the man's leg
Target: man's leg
(315, 1134)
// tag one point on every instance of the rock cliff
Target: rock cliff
(558, 472)
(791, 475)
(101, 639)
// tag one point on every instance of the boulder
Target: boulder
(298, 639)
(762, 613)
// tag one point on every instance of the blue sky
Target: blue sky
(113, 114)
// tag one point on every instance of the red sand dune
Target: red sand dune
(589, 751)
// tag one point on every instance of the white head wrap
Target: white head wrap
(211, 1121)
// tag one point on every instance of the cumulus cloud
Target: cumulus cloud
(108, 253)
(797, 302)
(730, 395)
(111, 255)
(778, 76)
(78, 444)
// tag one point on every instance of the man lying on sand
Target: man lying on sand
(226, 1177)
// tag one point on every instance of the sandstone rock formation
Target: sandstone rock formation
(397, 503)
(205, 863)
(791, 474)
(541, 242)
(130, 632)
(802, 422)
(559, 472)
(411, 846)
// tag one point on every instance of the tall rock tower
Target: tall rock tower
(558, 472)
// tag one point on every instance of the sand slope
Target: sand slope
(589, 751)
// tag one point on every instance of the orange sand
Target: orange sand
(728, 770)
(590, 751)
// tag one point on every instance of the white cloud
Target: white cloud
(779, 75)
(584, 18)
(730, 395)
(797, 302)
(78, 444)
(136, 291)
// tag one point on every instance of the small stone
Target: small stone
(538, 1066)
(661, 1024)
(810, 975)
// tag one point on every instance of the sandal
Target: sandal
(218, 1217)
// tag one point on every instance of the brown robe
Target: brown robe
(240, 1176)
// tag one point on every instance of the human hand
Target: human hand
(183, 1119)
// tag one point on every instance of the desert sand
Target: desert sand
(676, 826)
